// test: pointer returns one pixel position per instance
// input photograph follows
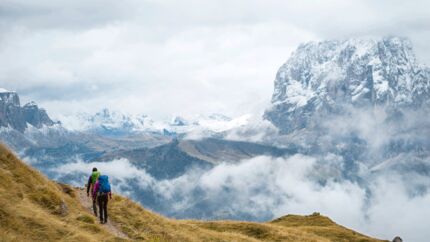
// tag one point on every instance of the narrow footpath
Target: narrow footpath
(87, 203)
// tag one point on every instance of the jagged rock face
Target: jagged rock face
(321, 78)
(17, 117)
(10, 111)
(10, 98)
(36, 116)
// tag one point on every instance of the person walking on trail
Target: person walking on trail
(90, 187)
(103, 192)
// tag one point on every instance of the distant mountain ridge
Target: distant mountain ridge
(117, 123)
(321, 77)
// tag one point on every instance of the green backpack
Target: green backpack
(94, 176)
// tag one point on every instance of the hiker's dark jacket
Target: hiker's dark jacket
(89, 184)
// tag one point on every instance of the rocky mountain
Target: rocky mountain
(363, 100)
(322, 78)
(18, 117)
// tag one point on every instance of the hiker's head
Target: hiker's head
(94, 169)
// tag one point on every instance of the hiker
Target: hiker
(90, 187)
(103, 192)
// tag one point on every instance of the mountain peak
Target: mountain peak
(323, 75)
(17, 117)
(31, 104)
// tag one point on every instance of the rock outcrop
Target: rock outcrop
(320, 78)
(18, 117)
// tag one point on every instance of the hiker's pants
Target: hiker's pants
(95, 206)
(94, 200)
(103, 201)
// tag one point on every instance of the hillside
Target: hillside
(33, 208)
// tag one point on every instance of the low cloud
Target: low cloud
(120, 171)
(263, 188)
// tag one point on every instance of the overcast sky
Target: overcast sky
(165, 57)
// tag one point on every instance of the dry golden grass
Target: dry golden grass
(33, 208)
(321, 226)
(140, 224)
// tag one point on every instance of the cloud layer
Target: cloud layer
(169, 57)
(264, 188)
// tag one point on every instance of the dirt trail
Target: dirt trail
(87, 203)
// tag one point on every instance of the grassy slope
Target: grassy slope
(148, 225)
(33, 208)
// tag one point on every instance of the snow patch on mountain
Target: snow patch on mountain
(118, 123)
(320, 77)
(106, 121)
(3, 90)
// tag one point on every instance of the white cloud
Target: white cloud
(118, 170)
(161, 57)
(283, 186)
(265, 187)
(393, 212)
